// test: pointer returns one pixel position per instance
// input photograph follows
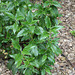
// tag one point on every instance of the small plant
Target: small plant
(28, 33)
(72, 32)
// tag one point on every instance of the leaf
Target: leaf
(44, 58)
(15, 44)
(55, 3)
(27, 49)
(14, 69)
(47, 3)
(9, 27)
(56, 28)
(28, 72)
(47, 22)
(32, 28)
(10, 63)
(48, 71)
(15, 27)
(51, 59)
(10, 15)
(19, 15)
(35, 63)
(54, 12)
(43, 36)
(72, 32)
(22, 32)
(29, 17)
(34, 50)
(39, 30)
(43, 72)
(56, 49)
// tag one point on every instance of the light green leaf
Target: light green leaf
(44, 58)
(48, 71)
(15, 27)
(72, 32)
(23, 32)
(47, 22)
(34, 50)
(43, 72)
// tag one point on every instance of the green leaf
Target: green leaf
(19, 15)
(44, 58)
(10, 63)
(47, 22)
(28, 72)
(15, 44)
(56, 49)
(14, 69)
(56, 28)
(29, 17)
(47, 3)
(9, 27)
(43, 36)
(15, 27)
(39, 30)
(55, 3)
(43, 72)
(27, 49)
(34, 50)
(32, 28)
(48, 71)
(10, 15)
(72, 32)
(35, 63)
(23, 32)
(54, 11)
(51, 59)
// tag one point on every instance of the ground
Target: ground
(65, 63)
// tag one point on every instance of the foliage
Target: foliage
(28, 33)
(72, 32)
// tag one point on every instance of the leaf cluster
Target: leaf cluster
(28, 33)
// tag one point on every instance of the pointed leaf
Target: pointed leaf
(10, 15)
(47, 22)
(15, 44)
(22, 32)
(29, 17)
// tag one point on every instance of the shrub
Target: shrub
(28, 33)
